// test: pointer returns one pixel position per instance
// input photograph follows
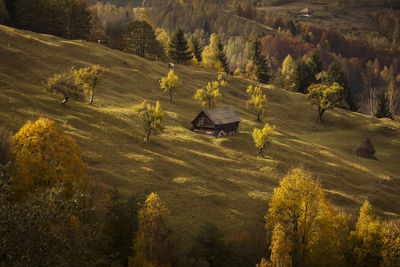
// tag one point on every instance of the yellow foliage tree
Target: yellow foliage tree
(88, 77)
(391, 243)
(366, 239)
(150, 118)
(289, 73)
(280, 248)
(210, 55)
(65, 84)
(262, 137)
(326, 97)
(44, 155)
(170, 84)
(257, 100)
(306, 216)
(151, 242)
(211, 94)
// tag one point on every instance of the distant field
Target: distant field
(351, 20)
(199, 178)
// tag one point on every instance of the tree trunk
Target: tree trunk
(209, 103)
(148, 136)
(258, 117)
(320, 112)
(91, 99)
(65, 100)
(170, 96)
(260, 152)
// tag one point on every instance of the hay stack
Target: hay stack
(366, 149)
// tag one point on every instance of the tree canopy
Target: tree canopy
(257, 100)
(150, 117)
(88, 78)
(262, 137)
(210, 95)
(170, 84)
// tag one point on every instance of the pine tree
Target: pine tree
(304, 76)
(259, 61)
(315, 65)
(196, 48)
(179, 49)
(222, 57)
(383, 110)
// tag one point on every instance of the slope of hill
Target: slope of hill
(199, 178)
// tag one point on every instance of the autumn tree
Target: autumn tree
(170, 84)
(326, 97)
(259, 61)
(178, 47)
(151, 241)
(299, 205)
(280, 248)
(210, 95)
(150, 118)
(263, 137)
(45, 155)
(390, 243)
(257, 100)
(88, 78)
(65, 84)
(210, 55)
(366, 240)
(289, 73)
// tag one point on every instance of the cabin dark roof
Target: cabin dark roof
(221, 115)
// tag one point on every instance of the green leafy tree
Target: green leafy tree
(196, 48)
(257, 100)
(211, 94)
(170, 84)
(326, 97)
(150, 118)
(151, 241)
(141, 40)
(263, 137)
(89, 77)
(209, 245)
(65, 84)
(222, 57)
(44, 155)
(383, 110)
(259, 61)
(178, 47)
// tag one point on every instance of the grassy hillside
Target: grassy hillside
(200, 178)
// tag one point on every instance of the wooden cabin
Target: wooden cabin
(217, 122)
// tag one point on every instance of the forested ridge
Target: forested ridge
(99, 165)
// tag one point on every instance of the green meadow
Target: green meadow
(199, 178)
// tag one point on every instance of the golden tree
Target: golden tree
(44, 155)
(151, 243)
(65, 84)
(211, 94)
(391, 243)
(262, 137)
(280, 248)
(150, 117)
(289, 73)
(88, 77)
(305, 215)
(327, 97)
(257, 100)
(170, 84)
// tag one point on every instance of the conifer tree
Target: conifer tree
(178, 47)
(222, 57)
(150, 118)
(259, 61)
(383, 110)
(196, 48)
(315, 65)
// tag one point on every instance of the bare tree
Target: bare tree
(372, 102)
(393, 96)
